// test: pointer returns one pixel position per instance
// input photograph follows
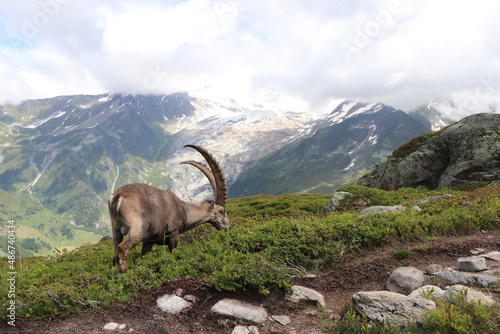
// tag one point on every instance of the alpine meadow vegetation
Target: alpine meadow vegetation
(272, 237)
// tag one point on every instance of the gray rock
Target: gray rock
(253, 329)
(240, 310)
(476, 251)
(300, 293)
(113, 326)
(335, 200)
(382, 209)
(392, 306)
(457, 277)
(471, 263)
(240, 330)
(472, 295)
(282, 319)
(427, 289)
(492, 256)
(431, 199)
(431, 269)
(404, 280)
(191, 298)
(172, 304)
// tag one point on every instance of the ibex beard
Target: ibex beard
(140, 212)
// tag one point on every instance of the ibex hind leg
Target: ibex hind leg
(117, 239)
(130, 241)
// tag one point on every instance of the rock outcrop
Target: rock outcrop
(463, 153)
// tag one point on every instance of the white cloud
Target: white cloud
(285, 54)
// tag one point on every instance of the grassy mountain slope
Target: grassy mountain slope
(272, 235)
(38, 231)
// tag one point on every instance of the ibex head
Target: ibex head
(218, 216)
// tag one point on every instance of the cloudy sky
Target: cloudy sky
(289, 54)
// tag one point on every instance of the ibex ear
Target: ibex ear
(212, 205)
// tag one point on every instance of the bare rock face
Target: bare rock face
(463, 153)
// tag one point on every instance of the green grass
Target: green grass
(271, 236)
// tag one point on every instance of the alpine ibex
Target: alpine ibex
(140, 212)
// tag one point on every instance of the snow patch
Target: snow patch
(38, 123)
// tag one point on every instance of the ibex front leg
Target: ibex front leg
(173, 240)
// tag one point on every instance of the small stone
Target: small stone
(301, 293)
(111, 326)
(472, 263)
(404, 280)
(240, 330)
(191, 298)
(282, 319)
(172, 304)
(492, 256)
(253, 329)
(477, 251)
(432, 269)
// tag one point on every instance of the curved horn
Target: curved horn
(208, 173)
(220, 181)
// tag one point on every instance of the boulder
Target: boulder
(394, 307)
(405, 279)
(463, 153)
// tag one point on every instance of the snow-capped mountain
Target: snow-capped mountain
(347, 142)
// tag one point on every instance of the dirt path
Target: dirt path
(367, 271)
